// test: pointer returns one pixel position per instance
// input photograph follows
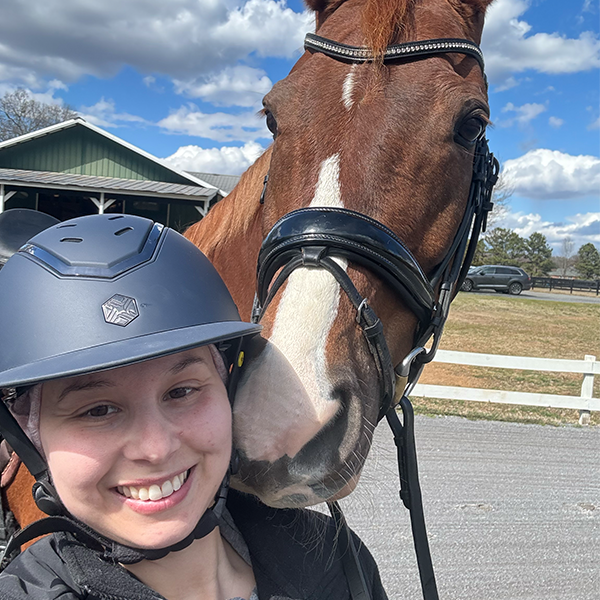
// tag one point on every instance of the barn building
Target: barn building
(75, 168)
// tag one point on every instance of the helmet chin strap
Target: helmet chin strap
(59, 518)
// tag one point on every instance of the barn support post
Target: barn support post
(587, 389)
(203, 210)
(4, 197)
(102, 204)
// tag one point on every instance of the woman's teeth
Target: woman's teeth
(154, 492)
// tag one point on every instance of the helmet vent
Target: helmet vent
(113, 218)
(73, 240)
(67, 225)
(124, 230)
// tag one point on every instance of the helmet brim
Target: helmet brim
(125, 352)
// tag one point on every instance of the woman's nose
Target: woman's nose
(151, 437)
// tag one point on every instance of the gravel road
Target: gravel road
(513, 511)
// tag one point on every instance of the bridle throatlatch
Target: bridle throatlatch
(319, 237)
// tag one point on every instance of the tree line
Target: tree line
(533, 254)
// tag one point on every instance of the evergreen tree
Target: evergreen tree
(538, 261)
(480, 253)
(505, 247)
(588, 262)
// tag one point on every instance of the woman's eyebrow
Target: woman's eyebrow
(83, 386)
(186, 362)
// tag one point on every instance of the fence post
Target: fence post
(587, 389)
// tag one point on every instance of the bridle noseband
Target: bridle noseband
(316, 237)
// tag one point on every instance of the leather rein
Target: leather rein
(315, 237)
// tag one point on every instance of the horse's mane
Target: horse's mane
(388, 21)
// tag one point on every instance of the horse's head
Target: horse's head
(394, 141)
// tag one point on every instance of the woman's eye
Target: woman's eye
(470, 130)
(102, 410)
(271, 122)
(180, 392)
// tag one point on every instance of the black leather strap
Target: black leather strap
(349, 556)
(422, 49)
(410, 492)
(350, 235)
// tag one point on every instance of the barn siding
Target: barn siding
(81, 151)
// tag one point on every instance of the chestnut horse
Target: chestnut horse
(394, 141)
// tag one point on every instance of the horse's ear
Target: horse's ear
(473, 13)
(322, 9)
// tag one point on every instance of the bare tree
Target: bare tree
(565, 260)
(20, 114)
(503, 190)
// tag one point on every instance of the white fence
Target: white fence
(585, 402)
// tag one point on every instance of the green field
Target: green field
(495, 324)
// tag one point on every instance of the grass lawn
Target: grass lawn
(495, 324)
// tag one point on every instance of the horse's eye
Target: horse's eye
(469, 131)
(271, 122)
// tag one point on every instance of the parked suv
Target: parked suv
(510, 280)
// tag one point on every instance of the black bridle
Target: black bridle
(315, 237)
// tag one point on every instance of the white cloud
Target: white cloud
(522, 114)
(510, 48)
(233, 86)
(582, 228)
(179, 38)
(227, 160)
(594, 124)
(220, 127)
(508, 84)
(556, 122)
(546, 174)
(104, 114)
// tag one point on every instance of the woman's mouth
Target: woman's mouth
(154, 492)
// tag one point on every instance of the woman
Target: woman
(118, 341)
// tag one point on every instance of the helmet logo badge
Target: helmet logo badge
(120, 310)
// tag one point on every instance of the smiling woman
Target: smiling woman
(117, 390)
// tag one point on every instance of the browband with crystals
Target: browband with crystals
(360, 54)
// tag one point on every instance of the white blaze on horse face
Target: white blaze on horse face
(348, 88)
(287, 385)
(307, 310)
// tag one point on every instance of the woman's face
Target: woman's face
(138, 453)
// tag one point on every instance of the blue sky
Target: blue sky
(183, 79)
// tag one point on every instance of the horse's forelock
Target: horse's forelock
(388, 21)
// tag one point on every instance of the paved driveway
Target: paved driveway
(513, 511)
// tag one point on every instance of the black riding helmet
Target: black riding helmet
(100, 292)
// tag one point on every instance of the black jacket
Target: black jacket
(293, 552)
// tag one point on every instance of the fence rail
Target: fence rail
(585, 402)
(556, 283)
